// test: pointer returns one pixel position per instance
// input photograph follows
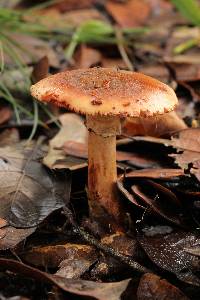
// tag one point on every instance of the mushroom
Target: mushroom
(105, 96)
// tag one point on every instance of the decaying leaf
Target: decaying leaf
(167, 252)
(28, 193)
(99, 291)
(5, 114)
(87, 57)
(73, 129)
(52, 256)
(161, 173)
(35, 50)
(9, 137)
(74, 268)
(153, 287)
(156, 126)
(41, 69)
(13, 236)
(129, 14)
(153, 197)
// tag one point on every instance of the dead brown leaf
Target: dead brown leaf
(5, 114)
(28, 193)
(113, 63)
(69, 5)
(52, 18)
(41, 69)
(129, 14)
(157, 126)
(34, 50)
(97, 290)
(189, 143)
(74, 268)
(121, 243)
(153, 287)
(52, 256)
(167, 252)
(87, 57)
(13, 236)
(9, 137)
(73, 129)
(155, 173)
(79, 150)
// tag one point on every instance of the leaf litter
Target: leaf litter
(158, 185)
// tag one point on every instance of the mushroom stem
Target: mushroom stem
(104, 203)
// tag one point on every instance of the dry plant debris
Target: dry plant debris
(50, 247)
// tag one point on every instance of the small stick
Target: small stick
(104, 248)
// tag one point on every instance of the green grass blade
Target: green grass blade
(189, 9)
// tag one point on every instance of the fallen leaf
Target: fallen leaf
(163, 125)
(72, 129)
(69, 5)
(121, 243)
(159, 201)
(5, 114)
(74, 268)
(97, 290)
(153, 287)
(87, 57)
(77, 149)
(167, 252)
(195, 250)
(153, 198)
(52, 256)
(9, 137)
(158, 71)
(117, 63)
(155, 173)
(10, 236)
(35, 49)
(28, 193)
(13, 236)
(52, 18)
(129, 14)
(41, 69)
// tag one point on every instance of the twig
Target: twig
(107, 249)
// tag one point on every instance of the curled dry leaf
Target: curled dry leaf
(149, 194)
(189, 143)
(73, 129)
(87, 57)
(156, 173)
(167, 252)
(99, 291)
(156, 126)
(5, 114)
(52, 256)
(159, 200)
(129, 14)
(41, 69)
(80, 150)
(153, 287)
(28, 193)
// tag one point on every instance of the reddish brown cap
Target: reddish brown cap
(106, 92)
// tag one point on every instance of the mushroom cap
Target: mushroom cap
(108, 92)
